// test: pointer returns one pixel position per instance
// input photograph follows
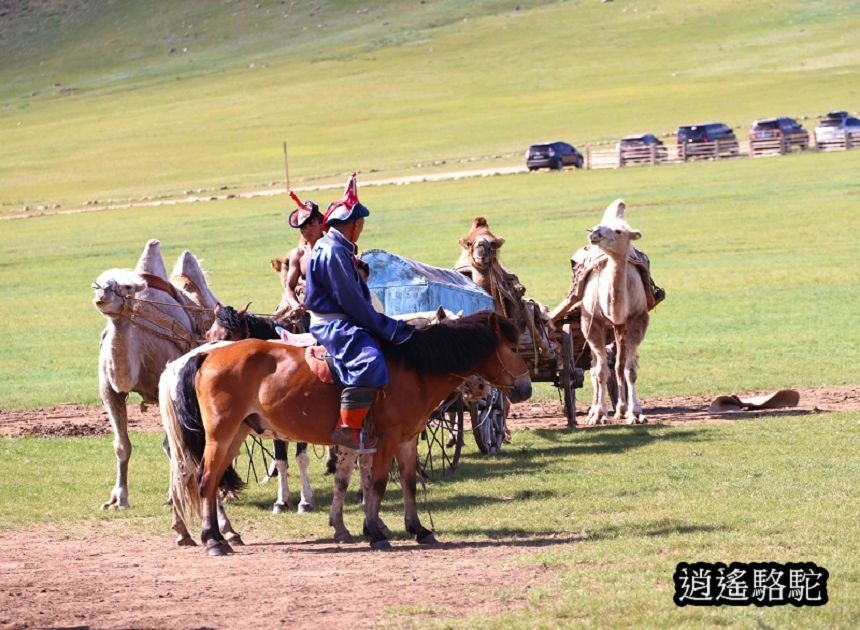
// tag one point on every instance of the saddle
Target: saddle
(588, 259)
(318, 360)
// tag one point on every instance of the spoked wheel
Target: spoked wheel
(440, 444)
(255, 460)
(488, 421)
(570, 378)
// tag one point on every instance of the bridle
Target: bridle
(502, 369)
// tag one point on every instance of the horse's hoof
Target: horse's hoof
(216, 548)
(234, 539)
(280, 508)
(185, 541)
(427, 539)
(343, 537)
(305, 508)
(380, 545)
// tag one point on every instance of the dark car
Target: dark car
(837, 129)
(782, 133)
(713, 140)
(555, 155)
(641, 148)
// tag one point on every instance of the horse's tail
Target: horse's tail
(186, 437)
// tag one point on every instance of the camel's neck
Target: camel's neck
(117, 357)
(617, 299)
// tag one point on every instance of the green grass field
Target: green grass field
(127, 101)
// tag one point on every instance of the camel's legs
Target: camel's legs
(634, 334)
(596, 337)
(115, 406)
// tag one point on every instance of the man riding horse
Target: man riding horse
(344, 321)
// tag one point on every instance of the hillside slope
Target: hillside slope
(101, 99)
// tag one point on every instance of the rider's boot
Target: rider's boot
(355, 403)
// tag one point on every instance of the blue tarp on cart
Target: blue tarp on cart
(408, 286)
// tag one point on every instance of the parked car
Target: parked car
(837, 128)
(641, 148)
(783, 133)
(555, 155)
(714, 140)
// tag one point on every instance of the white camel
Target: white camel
(614, 300)
(149, 322)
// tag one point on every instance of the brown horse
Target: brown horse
(211, 400)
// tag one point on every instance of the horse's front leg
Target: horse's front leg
(115, 405)
(344, 465)
(407, 465)
(303, 462)
(282, 503)
(375, 492)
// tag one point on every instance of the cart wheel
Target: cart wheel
(568, 380)
(254, 454)
(488, 421)
(440, 444)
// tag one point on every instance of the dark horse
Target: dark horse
(211, 399)
(233, 325)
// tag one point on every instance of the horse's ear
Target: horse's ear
(277, 264)
(440, 313)
(493, 323)
(217, 308)
(245, 310)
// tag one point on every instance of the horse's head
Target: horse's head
(506, 369)
(113, 288)
(481, 244)
(229, 324)
(613, 234)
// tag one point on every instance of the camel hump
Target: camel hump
(614, 212)
(480, 222)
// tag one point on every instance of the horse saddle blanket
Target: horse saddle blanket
(588, 259)
(319, 361)
(777, 400)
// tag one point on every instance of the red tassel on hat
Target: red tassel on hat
(350, 195)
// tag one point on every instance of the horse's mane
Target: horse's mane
(451, 345)
(246, 324)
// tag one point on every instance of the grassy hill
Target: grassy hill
(105, 100)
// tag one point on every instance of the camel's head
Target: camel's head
(613, 234)
(481, 244)
(113, 288)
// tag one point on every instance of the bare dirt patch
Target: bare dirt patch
(98, 579)
(82, 420)
(99, 576)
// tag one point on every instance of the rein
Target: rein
(503, 368)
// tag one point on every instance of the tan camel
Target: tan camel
(614, 299)
(149, 321)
